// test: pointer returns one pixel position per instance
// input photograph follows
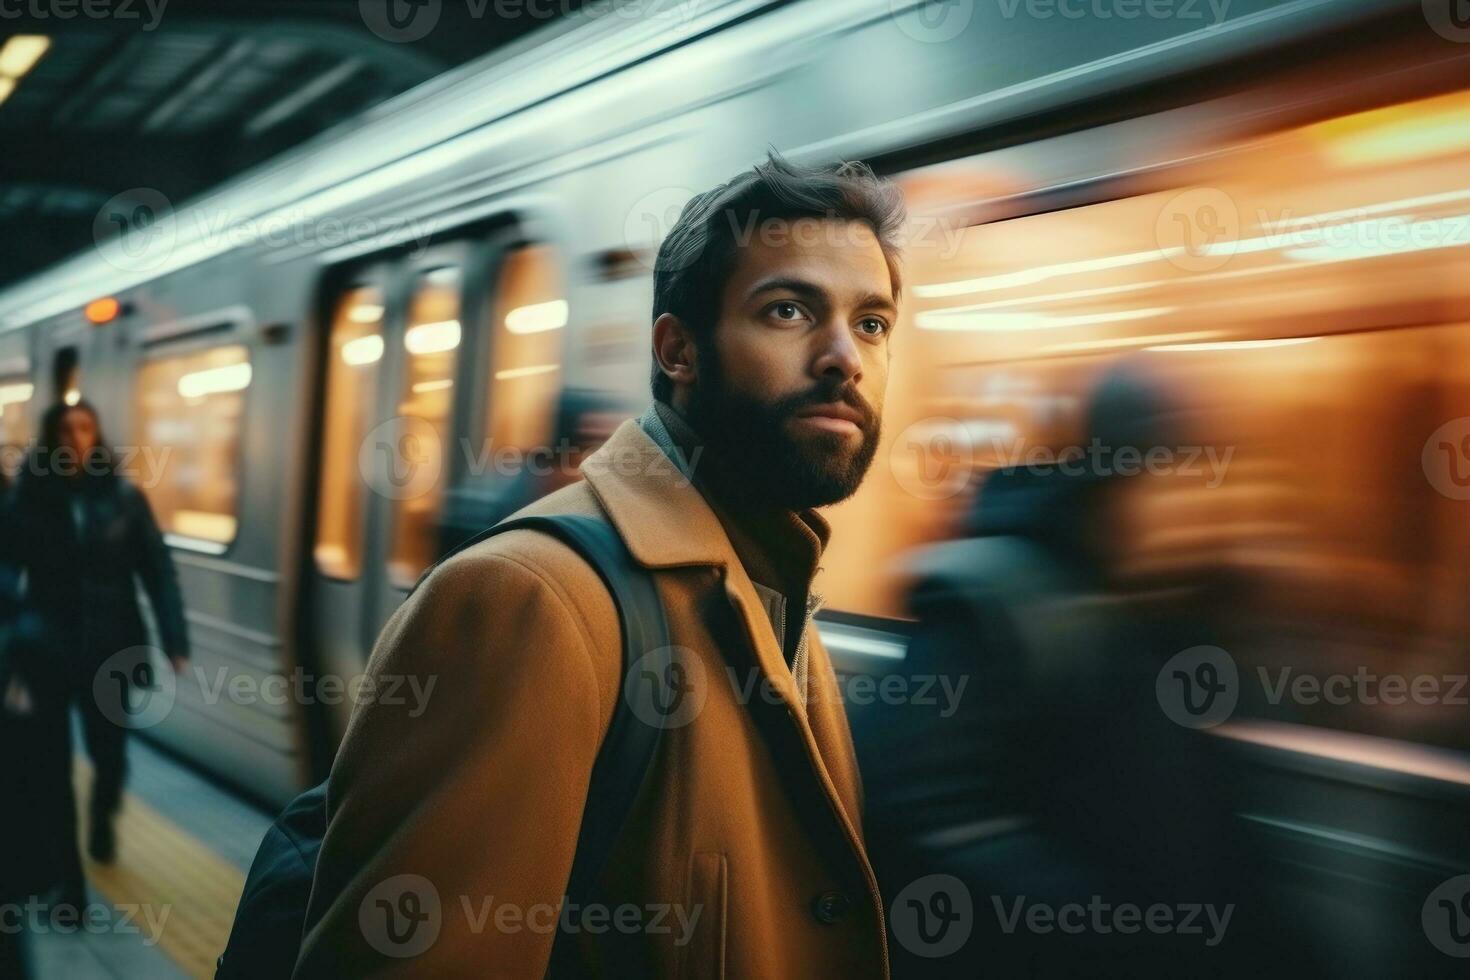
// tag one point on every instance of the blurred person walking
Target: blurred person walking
(1064, 781)
(81, 533)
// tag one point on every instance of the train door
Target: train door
(391, 362)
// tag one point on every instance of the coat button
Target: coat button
(831, 907)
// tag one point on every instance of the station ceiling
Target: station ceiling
(98, 97)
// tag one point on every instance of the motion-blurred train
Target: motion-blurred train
(1264, 205)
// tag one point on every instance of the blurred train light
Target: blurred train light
(15, 394)
(20, 54)
(537, 317)
(525, 372)
(7, 85)
(1234, 346)
(366, 313)
(213, 381)
(363, 350)
(1027, 277)
(101, 311)
(949, 320)
(72, 396)
(432, 338)
(1413, 131)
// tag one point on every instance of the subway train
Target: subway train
(1263, 205)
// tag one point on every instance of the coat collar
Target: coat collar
(653, 504)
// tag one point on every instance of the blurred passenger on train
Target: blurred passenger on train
(81, 532)
(1060, 772)
(585, 417)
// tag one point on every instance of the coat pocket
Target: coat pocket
(704, 952)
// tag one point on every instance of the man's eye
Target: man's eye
(786, 311)
(872, 326)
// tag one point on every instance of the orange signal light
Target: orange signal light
(101, 311)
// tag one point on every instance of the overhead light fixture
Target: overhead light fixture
(15, 394)
(432, 338)
(537, 317)
(363, 350)
(213, 381)
(365, 313)
(101, 311)
(20, 54)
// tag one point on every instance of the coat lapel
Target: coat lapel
(666, 524)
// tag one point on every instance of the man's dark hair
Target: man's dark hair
(696, 258)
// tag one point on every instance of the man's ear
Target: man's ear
(673, 349)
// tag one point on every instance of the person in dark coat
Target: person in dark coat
(1057, 781)
(82, 534)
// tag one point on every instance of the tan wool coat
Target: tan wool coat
(453, 822)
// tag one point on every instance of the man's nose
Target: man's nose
(838, 357)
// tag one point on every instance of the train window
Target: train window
(355, 351)
(525, 354)
(190, 408)
(431, 342)
(526, 350)
(15, 402)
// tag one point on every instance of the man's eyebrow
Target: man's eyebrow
(808, 289)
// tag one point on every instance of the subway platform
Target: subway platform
(163, 909)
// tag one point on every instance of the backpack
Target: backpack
(271, 918)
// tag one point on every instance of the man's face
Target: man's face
(789, 389)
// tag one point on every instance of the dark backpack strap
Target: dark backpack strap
(268, 927)
(627, 751)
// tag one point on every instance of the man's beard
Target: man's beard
(752, 457)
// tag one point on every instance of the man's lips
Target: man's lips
(835, 417)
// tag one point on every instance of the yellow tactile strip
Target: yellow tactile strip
(163, 869)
